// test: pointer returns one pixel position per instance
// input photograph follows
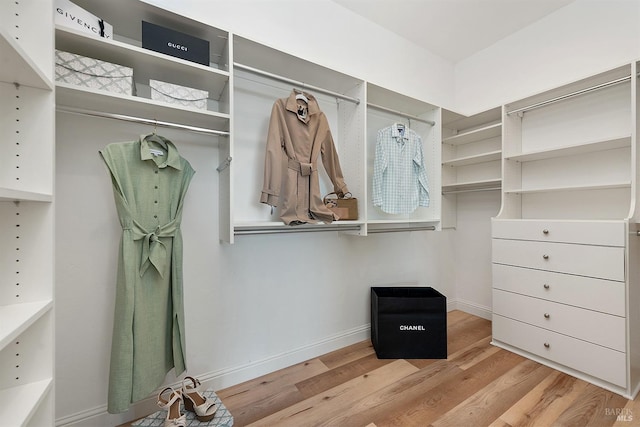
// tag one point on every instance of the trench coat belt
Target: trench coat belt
(154, 252)
(305, 169)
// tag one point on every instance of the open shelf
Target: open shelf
(18, 67)
(145, 63)
(472, 160)
(20, 403)
(486, 132)
(16, 318)
(10, 195)
(68, 95)
(588, 147)
(603, 186)
(460, 187)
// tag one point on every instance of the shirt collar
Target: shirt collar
(312, 105)
(173, 158)
(395, 132)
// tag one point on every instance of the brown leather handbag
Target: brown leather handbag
(345, 207)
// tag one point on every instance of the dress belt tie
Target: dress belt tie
(305, 169)
(154, 252)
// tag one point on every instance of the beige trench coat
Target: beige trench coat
(298, 134)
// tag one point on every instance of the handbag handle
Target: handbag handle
(346, 195)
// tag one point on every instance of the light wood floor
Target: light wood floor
(478, 385)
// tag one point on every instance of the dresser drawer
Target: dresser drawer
(607, 296)
(604, 363)
(605, 233)
(598, 328)
(604, 262)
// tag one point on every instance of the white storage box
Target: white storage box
(93, 73)
(72, 16)
(180, 95)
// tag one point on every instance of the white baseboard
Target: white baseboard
(223, 378)
(471, 308)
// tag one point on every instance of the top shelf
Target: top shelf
(480, 134)
(18, 67)
(145, 63)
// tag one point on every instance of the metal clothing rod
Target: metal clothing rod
(296, 83)
(400, 113)
(399, 229)
(570, 95)
(141, 120)
(295, 229)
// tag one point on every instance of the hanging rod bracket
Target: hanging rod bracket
(225, 164)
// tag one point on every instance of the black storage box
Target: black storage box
(175, 43)
(408, 323)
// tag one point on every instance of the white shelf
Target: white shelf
(604, 186)
(20, 403)
(16, 318)
(11, 195)
(588, 147)
(18, 67)
(490, 131)
(146, 63)
(95, 100)
(460, 187)
(472, 160)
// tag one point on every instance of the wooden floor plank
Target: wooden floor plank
(348, 354)
(595, 406)
(315, 410)
(544, 404)
(340, 374)
(488, 403)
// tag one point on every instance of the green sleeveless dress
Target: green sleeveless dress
(150, 180)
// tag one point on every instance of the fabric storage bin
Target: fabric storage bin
(408, 323)
(93, 73)
(180, 95)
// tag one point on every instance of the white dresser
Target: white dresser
(565, 242)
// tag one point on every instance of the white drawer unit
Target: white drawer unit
(561, 297)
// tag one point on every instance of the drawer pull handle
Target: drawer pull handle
(546, 286)
(545, 231)
(547, 345)
(545, 256)
(547, 315)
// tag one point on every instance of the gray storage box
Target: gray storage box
(93, 73)
(179, 95)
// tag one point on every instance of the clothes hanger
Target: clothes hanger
(300, 95)
(154, 137)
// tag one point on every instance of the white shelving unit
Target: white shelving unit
(471, 157)
(565, 239)
(26, 214)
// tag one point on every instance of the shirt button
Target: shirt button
(156, 187)
(155, 216)
(156, 171)
(155, 201)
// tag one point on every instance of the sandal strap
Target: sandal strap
(194, 387)
(175, 395)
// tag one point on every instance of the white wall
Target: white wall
(579, 40)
